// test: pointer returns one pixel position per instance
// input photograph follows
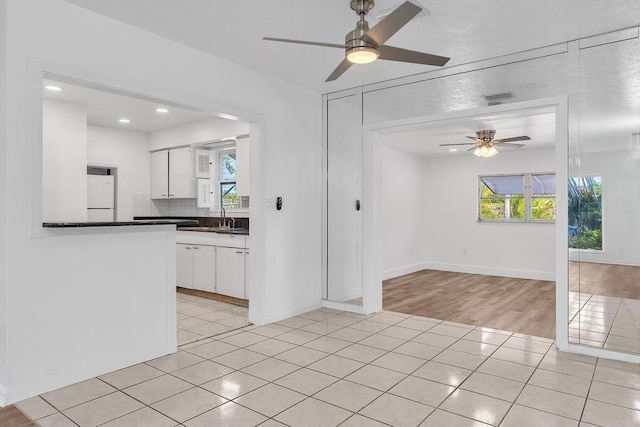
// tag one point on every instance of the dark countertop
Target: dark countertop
(240, 231)
(183, 222)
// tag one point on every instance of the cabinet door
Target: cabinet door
(247, 287)
(230, 272)
(182, 179)
(160, 174)
(184, 265)
(204, 268)
(242, 167)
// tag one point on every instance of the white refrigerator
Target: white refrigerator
(100, 198)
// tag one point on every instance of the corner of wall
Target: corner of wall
(4, 294)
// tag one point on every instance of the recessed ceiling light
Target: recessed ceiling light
(453, 149)
(124, 121)
(161, 110)
(53, 88)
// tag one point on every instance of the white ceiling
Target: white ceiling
(539, 125)
(105, 108)
(465, 30)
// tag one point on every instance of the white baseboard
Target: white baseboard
(397, 272)
(285, 315)
(54, 382)
(471, 269)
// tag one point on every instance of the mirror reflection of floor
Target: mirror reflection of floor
(604, 305)
(603, 321)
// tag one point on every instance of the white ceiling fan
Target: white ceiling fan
(484, 144)
(364, 45)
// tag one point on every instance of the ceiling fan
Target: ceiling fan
(484, 144)
(364, 45)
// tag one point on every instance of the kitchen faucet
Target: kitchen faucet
(224, 218)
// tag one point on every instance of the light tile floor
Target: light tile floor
(329, 368)
(200, 318)
(605, 322)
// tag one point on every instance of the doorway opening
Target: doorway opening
(468, 239)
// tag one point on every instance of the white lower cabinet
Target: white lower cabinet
(230, 272)
(204, 268)
(184, 265)
(246, 274)
(196, 267)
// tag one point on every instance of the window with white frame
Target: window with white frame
(525, 197)
(228, 198)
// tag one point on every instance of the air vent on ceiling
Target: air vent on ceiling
(385, 12)
(497, 98)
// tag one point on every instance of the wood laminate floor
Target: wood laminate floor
(612, 280)
(519, 305)
(12, 417)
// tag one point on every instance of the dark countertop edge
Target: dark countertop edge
(236, 233)
(119, 224)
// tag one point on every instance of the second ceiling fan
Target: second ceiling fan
(364, 45)
(484, 144)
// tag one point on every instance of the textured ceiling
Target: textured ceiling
(465, 30)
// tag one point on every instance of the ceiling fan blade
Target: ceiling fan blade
(474, 147)
(383, 30)
(474, 138)
(272, 39)
(340, 69)
(508, 144)
(391, 53)
(463, 143)
(515, 138)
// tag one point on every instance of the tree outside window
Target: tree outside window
(585, 212)
(228, 196)
(526, 197)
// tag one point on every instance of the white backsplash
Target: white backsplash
(143, 205)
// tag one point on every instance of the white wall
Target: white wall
(3, 197)
(192, 133)
(404, 235)
(129, 151)
(620, 172)
(54, 305)
(64, 167)
(447, 218)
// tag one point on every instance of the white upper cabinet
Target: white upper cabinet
(242, 167)
(160, 174)
(173, 174)
(182, 180)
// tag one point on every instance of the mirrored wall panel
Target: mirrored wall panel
(344, 201)
(604, 200)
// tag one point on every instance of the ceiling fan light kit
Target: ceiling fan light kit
(484, 144)
(364, 45)
(485, 151)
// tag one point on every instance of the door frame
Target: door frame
(372, 197)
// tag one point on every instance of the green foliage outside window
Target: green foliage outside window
(585, 212)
